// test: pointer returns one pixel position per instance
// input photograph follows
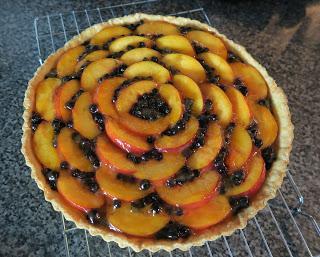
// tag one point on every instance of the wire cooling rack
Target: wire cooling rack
(283, 228)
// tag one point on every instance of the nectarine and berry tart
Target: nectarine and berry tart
(156, 132)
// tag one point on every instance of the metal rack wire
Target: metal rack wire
(275, 231)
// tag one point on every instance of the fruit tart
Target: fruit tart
(156, 132)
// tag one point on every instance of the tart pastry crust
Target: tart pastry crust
(268, 191)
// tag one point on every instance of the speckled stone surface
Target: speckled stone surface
(284, 37)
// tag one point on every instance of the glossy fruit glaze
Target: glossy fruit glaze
(154, 123)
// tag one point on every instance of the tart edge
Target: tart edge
(268, 191)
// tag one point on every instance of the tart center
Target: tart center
(150, 106)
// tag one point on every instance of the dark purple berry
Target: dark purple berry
(70, 104)
(199, 49)
(239, 203)
(208, 105)
(138, 204)
(141, 44)
(185, 29)
(91, 184)
(173, 231)
(116, 203)
(69, 124)
(94, 217)
(51, 177)
(126, 178)
(268, 156)
(155, 208)
(51, 74)
(214, 79)
(257, 142)
(171, 182)
(173, 210)
(237, 177)
(241, 87)
(135, 159)
(144, 184)
(64, 165)
(150, 139)
(232, 57)
(57, 125)
(130, 47)
(93, 108)
(133, 26)
(35, 120)
(264, 102)
(154, 59)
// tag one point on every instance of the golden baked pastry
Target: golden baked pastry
(156, 132)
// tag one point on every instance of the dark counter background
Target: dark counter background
(284, 37)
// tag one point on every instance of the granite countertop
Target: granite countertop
(283, 37)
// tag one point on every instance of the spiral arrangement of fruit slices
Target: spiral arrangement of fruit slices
(151, 123)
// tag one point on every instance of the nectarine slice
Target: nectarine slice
(255, 177)
(45, 98)
(122, 43)
(136, 222)
(196, 191)
(268, 127)
(189, 89)
(138, 55)
(257, 87)
(125, 139)
(116, 188)
(43, 146)
(112, 156)
(144, 127)
(76, 193)
(71, 152)
(95, 70)
(179, 141)
(62, 95)
(108, 33)
(175, 43)
(240, 107)
(212, 145)
(148, 69)
(104, 95)
(158, 170)
(157, 28)
(68, 61)
(82, 118)
(213, 212)
(220, 66)
(128, 96)
(221, 104)
(213, 43)
(239, 148)
(187, 65)
(93, 56)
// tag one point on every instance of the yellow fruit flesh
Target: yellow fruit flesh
(45, 98)
(82, 118)
(75, 192)
(206, 154)
(210, 214)
(137, 222)
(115, 188)
(71, 151)
(190, 192)
(43, 146)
